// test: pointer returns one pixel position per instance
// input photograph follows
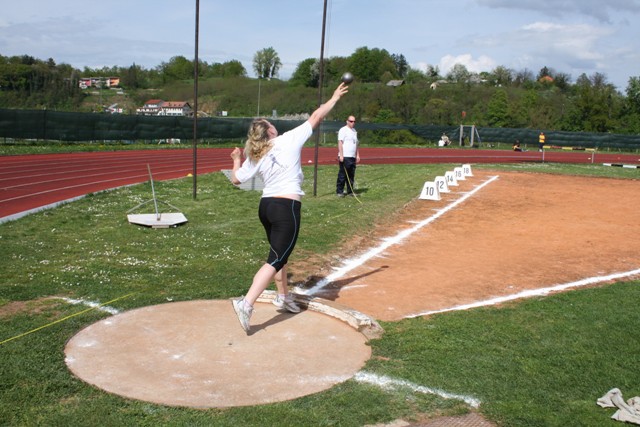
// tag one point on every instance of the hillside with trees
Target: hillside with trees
(548, 99)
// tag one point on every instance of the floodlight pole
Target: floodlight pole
(320, 84)
(259, 84)
(195, 105)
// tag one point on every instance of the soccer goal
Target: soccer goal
(472, 133)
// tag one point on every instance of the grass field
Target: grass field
(540, 362)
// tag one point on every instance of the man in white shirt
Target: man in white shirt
(348, 155)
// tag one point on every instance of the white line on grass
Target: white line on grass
(385, 382)
(91, 304)
(533, 292)
(351, 264)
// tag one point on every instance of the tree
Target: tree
(498, 109)
(233, 68)
(595, 106)
(562, 81)
(334, 68)
(523, 78)
(27, 82)
(633, 94)
(544, 72)
(306, 73)
(433, 71)
(15, 76)
(369, 65)
(438, 111)
(178, 68)
(415, 76)
(459, 73)
(132, 77)
(502, 76)
(402, 66)
(266, 63)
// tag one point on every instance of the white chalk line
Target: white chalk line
(533, 293)
(385, 382)
(351, 264)
(91, 304)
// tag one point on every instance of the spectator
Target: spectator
(516, 146)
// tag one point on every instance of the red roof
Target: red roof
(174, 104)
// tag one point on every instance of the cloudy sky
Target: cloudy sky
(569, 36)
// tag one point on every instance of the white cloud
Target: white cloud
(577, 41)
(482, 63)
(569, 48)
(446, 63)
(597, 9)
(571, 36)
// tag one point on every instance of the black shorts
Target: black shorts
(280, 218)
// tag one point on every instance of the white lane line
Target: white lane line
(351, 264)
(69, 175)
(533, 292)
(385, 382)
(91, 304)
(69, 187)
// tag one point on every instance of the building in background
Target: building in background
(98, 82)
(158, 107)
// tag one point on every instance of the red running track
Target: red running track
(33, 182)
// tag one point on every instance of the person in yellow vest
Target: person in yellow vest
(541, 139)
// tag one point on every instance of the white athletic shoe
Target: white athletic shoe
(287, 303)
(244, 314)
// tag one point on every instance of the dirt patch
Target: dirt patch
(32, 307)
(520, 232)
(195, 354)
(471, 419)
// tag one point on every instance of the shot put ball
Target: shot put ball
(347, 78)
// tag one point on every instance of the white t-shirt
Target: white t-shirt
(349, 138)
(280, 168)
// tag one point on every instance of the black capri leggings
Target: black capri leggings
(280, 218)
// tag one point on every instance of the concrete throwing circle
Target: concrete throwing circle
(195, 354)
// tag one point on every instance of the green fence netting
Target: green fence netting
(68, 126)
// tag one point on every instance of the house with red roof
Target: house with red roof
(158, 107)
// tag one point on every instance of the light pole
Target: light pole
(320, 83)
(195, 105)
(259, 84)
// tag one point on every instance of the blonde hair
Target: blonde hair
(258, 143)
